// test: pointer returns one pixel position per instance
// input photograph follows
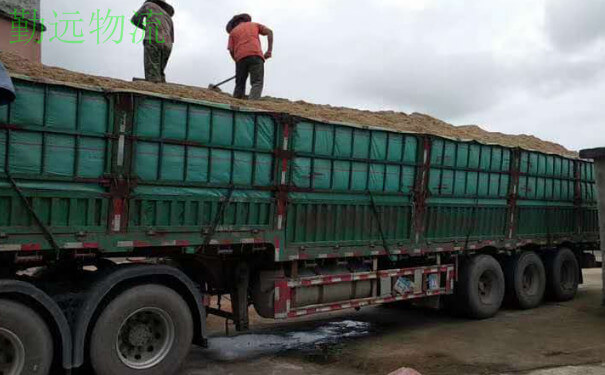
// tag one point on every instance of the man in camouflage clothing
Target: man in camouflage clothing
(155, 17)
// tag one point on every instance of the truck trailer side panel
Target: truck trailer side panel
(121, 171)
(56, 153)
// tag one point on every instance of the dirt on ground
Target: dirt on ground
(556, 338)
(415, 122)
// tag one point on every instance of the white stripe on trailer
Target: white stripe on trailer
(248, 241)
(283, 173)
(117, 222)
(122, 142)
(126, 244)
(10, 247)
(280, 219)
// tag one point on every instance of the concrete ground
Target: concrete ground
(557, 338)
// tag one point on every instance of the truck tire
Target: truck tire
(146, 330)
(525, 280)
(480, 289)
(562, 275)
(26, 344)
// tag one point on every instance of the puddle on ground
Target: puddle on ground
(316, 343)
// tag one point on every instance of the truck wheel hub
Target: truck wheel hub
(145, 338)
(529, 281)
(140, 335)
(12, 353)
(486, 286)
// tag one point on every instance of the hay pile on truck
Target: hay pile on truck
(415, 123)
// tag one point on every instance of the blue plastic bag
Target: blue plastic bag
(7, 90)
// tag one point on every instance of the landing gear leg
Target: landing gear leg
(239, 297)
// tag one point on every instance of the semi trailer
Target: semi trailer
(122, 214)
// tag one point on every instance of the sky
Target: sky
(514, 66)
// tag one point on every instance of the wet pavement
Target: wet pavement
(312, 342)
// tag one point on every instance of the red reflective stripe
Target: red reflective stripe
(118, 206)
(31, 247)
(283, 296)
(284, 166)
(117, 220)
(281, 207)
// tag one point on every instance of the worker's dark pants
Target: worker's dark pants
(253, 66)
(156, 59)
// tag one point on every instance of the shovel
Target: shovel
(216, 87)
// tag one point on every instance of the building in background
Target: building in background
(24, 31)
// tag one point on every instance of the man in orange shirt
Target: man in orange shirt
(246, 50)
